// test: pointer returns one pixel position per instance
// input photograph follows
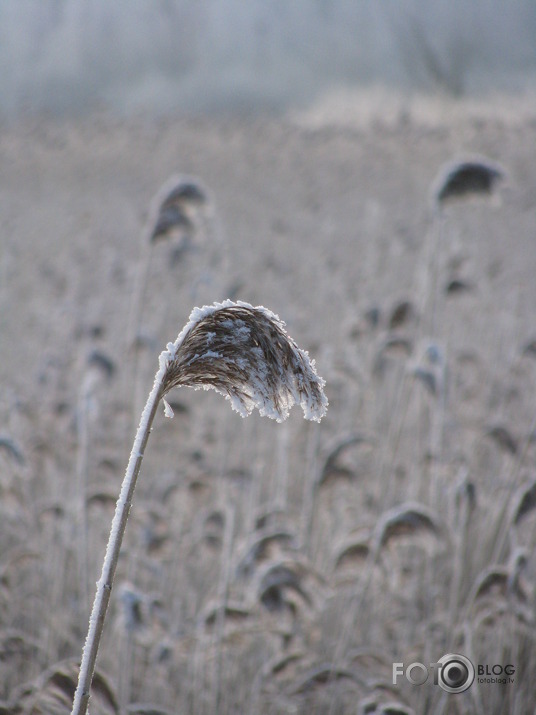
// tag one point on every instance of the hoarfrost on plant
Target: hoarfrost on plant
(244, 353)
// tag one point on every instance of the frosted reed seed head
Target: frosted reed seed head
(468, 177)
(173, 205)
(245, 354)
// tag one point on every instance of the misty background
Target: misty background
(160, 56)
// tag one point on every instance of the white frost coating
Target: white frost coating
(272, 400)
(271, 379)
(168, 411)
(198, 314)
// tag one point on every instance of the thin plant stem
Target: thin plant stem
(104, 585)
(310, 487)
(242, 352)
(223, 595)
(82, 478)
(282, 474)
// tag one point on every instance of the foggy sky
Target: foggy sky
(70, 56)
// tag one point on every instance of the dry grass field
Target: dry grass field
(271, 568)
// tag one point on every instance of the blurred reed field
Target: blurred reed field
(271, 568)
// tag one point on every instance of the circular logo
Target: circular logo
(456, 674)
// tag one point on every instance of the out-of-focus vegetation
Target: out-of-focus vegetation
(270, 568)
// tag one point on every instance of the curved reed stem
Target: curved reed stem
(104, 585)
(245, 354)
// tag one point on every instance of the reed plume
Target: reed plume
(245, 354)
(467, 177)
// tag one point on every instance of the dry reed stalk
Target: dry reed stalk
(241, 352)
(309, 490)
(168, 212)
(222, 600)
(460, 531)
(509, 518)
(281, 475)
(458, 180)
(98, 368)
(254, 492)
(464, 178)
(407, 518)
(174, 214)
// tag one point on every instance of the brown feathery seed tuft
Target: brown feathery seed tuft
(245, 354)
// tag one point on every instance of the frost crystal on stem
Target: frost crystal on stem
(244, 353)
